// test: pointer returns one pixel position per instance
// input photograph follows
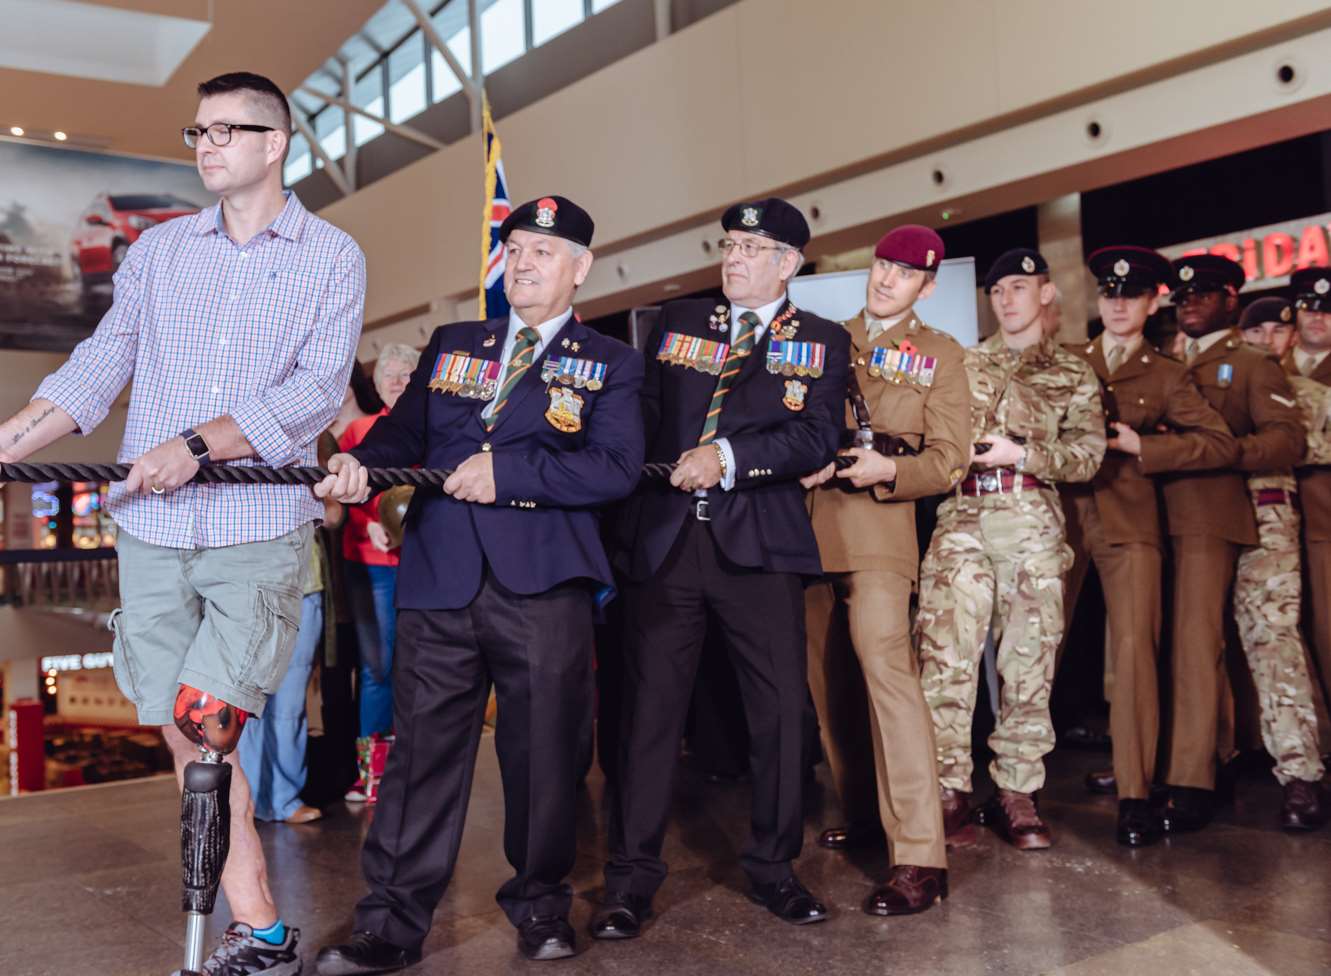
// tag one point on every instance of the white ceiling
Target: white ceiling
(89, 40)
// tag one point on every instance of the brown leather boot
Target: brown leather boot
(957, 827)
(1303, 808)
(908, 890)
(1018, 821)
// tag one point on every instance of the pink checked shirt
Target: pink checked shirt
(264, 331)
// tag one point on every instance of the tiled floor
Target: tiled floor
(89, 884)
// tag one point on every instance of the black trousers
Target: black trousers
(761, 618)
(537, 651)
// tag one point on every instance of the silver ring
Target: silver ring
(158, 490)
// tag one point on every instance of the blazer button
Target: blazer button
(1110, 387)
(486, 447)
(1141, 399)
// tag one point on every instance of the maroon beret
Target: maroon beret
(912, 245)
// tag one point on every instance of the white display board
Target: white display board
(951, 308)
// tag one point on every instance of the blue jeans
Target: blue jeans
(371, 590)
(272, 746)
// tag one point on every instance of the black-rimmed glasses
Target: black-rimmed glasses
(219, 133)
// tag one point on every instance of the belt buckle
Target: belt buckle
(700, 510)
(990, 481)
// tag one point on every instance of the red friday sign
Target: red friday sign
(1268, 254)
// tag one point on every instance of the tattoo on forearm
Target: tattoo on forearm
(32, 425)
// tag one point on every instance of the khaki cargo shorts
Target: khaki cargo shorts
(223, 620)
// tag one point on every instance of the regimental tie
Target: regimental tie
(739, 349)
(1115, 358)
(524, 354)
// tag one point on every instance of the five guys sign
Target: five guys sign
(1268, 254)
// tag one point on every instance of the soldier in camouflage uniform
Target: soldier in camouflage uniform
(1268, 592)
(999, 551)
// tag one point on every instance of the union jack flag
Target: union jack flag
(493, 302)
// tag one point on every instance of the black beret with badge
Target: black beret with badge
(1018, 261)
(1268, 309)
(1311, 288)
(773, 217)
(1204, 273)
(554, 216)
(1129, 272)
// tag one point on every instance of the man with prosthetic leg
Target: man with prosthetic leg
(238, 326)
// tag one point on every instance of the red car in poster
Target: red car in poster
(110, 224)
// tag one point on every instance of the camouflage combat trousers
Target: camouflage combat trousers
(998, 560)
(1267, 595)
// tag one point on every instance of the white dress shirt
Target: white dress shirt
(547, 329)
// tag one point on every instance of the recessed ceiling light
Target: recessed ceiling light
(16, 130)
(59, 136)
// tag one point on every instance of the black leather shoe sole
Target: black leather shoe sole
(549, 949)
(616, 925)
(798, 920)
(336, 964)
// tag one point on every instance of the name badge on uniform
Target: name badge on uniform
(569, 371)
(786, 358)
(465, 375)
(1225, 375)
(565, 411)
(693, 352)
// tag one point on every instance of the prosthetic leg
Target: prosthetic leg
(205, 809)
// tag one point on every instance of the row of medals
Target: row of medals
(719, 321)
(592, 384)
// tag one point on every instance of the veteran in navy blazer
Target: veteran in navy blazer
(746, 398)
(540, 420)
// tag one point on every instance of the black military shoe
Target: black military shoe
(1102, 781)
(1303, 807)
(1189, 809)
(366, 953)
(544, 937)
(1138, 826)
(620, 916)
(790, 901)
(852, 837)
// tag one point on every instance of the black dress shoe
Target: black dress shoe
(544, 937)
(366, 953)
(1102, 781)
(1137, 825)
(790, 901)
(852, 837)
(908, 891)
(1189, 809)
(1303, 807)
(620, 916)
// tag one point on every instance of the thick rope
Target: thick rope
(225, 474)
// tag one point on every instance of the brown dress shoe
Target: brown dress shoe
(304, 814)
(909, 889)
(1303, 808)
(1018, 821)
(957, 827)
(1102, 781)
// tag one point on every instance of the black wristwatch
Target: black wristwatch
(196, 445)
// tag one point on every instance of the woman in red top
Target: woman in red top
(371, 566)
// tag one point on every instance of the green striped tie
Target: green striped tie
(524, 352)
(740, 348)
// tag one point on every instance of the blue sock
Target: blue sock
(275, 934)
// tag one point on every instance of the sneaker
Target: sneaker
(357, 792)
(241, 954)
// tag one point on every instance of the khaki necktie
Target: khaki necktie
(1115, 358)
(1305, 364)
(876, 329)
(1194, 350)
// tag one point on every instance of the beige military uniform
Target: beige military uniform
(1115, 521)
(1210, 519)
(1268, 593)
(862, 668)
(998, 555)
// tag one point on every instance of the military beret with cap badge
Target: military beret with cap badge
(1018, 261)
(773, 217)
(913, 245)
(1206, 272)
(1129, 271)
(1311, 288)
(553, 216)
(1270, 309)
